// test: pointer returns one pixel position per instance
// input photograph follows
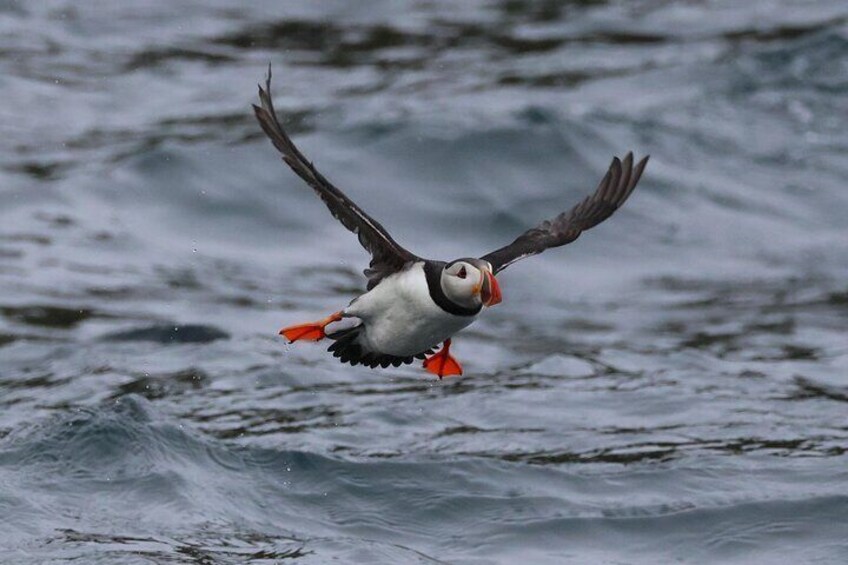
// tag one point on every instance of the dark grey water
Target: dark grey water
(672, 387)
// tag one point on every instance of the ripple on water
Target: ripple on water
(669, 389)
(170, 333)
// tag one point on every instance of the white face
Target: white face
(461, 284)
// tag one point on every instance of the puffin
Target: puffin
(412, 305)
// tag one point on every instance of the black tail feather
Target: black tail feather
(347, 349)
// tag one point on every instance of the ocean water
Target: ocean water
(670, 388)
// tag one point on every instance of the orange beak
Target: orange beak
(490, 290)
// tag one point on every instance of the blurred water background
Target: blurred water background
(670, 388)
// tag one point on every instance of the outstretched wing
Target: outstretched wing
(615, 187)
(387, 256)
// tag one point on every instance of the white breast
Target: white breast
(400, 317)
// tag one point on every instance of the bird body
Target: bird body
(401, 319)
(412, 304)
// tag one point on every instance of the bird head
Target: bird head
(470, 283)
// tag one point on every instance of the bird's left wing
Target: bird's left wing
(615, 187)
(387, 256)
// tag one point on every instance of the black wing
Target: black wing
(387, 256)
(615, 187)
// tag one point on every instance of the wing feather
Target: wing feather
(614, 189)
(387, 256)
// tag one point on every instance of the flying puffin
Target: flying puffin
(412, 304)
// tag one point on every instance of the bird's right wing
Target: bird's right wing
(615, 187)
(387, 256)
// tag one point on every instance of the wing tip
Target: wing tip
(266, 115)
(635, 176)
(268, 79)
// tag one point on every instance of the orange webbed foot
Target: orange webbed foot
(442, 364)
(313, 331)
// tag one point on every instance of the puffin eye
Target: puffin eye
(462, 274)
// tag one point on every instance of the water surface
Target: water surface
(672, 387)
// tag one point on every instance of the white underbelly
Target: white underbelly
(400, 317)
(407, 332)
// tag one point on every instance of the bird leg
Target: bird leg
(442, 364)
(313, 331)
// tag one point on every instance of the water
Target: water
(672, 387)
